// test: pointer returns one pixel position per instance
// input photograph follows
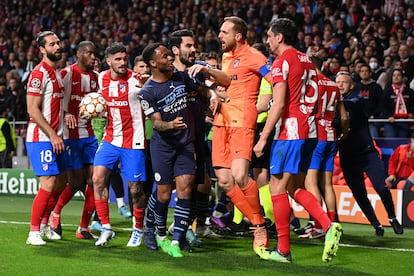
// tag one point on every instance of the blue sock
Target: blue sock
(160, 213)
(202, 207)
(150, 218)
(181, 219)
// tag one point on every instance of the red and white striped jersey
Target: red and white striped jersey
(298, 72)
(328, 98)
(45, 82)
(125, 126)
(77, 83)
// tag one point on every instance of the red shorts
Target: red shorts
(231, 143)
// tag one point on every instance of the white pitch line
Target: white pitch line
(313, 243)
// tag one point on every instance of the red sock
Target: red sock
(332, 215)
(312, 206)
(38, 208)
(102, 209)
(317, 225)
(139, 214)
(251, 193)
(64, 198)
(88, 207)
(49, 207)
(237, 197)
(281, 211)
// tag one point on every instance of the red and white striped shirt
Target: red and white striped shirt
(45, 82)
(328, 99)
(78, 83)
(298, 72)
(125, 126)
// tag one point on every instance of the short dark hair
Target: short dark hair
(148, 52)
(83, 44)
(137, 59)
(317, 59)
(262, 48)
(366, 65)
(287, 28)
(40, 38)
(240, 26)
(176, 38)
(115, 48)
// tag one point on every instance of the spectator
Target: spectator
(376, 68)
(407, 62)
(5, 99)
(401, 164)
(331, 67)
(398, 102)
(371, 92)
(7, 143)
(385, 78)
(17, 100)
(211, 43)
(392, 51)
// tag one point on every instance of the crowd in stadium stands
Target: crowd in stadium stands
(376, 36)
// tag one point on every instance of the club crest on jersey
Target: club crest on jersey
(93, 84)
(35, 83)
(236, 63)
(45, 167)
(122, 87)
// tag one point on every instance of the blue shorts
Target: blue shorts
(171, 161)
(291, 156)
(45, 161)
(132, 161)
(80, 152)
(323, 156)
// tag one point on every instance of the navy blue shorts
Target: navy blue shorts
(170, 161)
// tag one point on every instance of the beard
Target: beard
(186, 62)
(228, 46)
(54, 57)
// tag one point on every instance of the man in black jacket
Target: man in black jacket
(358, 155)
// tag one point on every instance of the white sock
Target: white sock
(120, 202)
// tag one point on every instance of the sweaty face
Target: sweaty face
(87, 57)
(118, 63)
(52, 48)
(187, 51)
(227, 37)
(164, 60)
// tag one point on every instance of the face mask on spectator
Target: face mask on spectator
(373, 65)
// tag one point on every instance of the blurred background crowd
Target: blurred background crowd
(350, 32)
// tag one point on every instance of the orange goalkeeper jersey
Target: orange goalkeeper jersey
(246, 67)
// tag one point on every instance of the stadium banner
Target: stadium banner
(20, 182)
(24, 182)
(408, 209)
(349, 210)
